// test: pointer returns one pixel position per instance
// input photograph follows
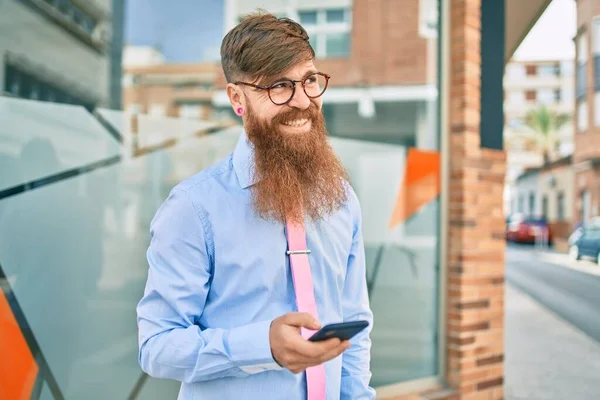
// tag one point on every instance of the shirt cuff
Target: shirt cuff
(250, 348)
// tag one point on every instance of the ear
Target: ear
(236, 96)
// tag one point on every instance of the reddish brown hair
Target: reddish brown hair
(263, 46)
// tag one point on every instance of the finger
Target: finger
(310, 349)
(335, 352)
(304, 363)
(301, 319)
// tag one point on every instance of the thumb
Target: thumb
(302, 319)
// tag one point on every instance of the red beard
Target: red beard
(297, 175)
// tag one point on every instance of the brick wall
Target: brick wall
(586, 179)
(587, 143)
(386, 47)
(475, 298)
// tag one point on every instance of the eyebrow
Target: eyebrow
(309, 72)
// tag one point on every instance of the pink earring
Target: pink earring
(240, 111)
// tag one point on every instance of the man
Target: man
(224, 311)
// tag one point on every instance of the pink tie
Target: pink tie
(305, 300)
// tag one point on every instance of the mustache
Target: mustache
(293, 114)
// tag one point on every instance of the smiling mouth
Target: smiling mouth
(296, 123)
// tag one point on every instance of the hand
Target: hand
(292, 351)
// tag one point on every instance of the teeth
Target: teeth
(296, 123)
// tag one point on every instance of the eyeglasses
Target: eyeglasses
(282, 91)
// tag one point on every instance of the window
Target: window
(560, 206)
(328, 31)
(545, 96)
(582, 56)
(22, 84)
(531, 204)
(531, 70)
(428, 18)
(336, 15)
(521, 208)
(557, 94)
(582, 116)
(548, 70)
(586, 206)
(308, 17)
(337, 44)
(545, 207)
(531, 95)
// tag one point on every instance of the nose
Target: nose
(300, 100)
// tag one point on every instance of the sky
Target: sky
(552, 35)
(185, 30)
(191, 30)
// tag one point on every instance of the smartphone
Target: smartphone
(342, 331)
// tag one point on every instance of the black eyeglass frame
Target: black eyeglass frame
(294, 82)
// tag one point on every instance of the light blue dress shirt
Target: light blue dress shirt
(219, 275)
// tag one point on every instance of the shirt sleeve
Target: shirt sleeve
(172, 344)
(356, 372)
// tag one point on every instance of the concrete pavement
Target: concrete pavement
(547, 358)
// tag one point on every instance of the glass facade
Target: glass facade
(80, 183)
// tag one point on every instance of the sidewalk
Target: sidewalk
(546, 358)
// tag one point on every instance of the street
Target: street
(552, 346)
(572, 294)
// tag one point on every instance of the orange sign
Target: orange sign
(421, 184)
(18, 369)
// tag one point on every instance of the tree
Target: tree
(546, 124)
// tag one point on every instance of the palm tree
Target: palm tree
(546, 124)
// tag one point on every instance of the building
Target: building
(416, 115)
(389, 95)
(529, 85)
(547, 192)
(66, 55)
(153, 86)
(586, 157)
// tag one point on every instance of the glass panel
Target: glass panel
(308, 17)
(336, 15)
(46, 393)
(401, 262)
(73, 250)
(337, 45)
(79, 245)
(39, 139)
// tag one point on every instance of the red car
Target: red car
(521, 229)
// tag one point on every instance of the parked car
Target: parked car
(523, 229)
(586, 243)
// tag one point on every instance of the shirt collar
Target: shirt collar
(243, 161)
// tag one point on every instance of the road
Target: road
(572, 294)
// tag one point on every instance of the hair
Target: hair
(263, 46)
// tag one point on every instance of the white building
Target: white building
(59, 50)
